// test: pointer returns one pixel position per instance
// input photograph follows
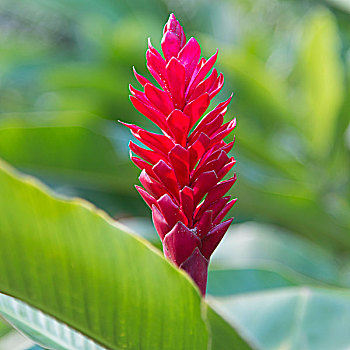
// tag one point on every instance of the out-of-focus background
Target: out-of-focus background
(65, 66)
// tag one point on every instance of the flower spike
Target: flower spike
(182, 169)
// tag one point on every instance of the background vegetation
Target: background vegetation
(282, 273)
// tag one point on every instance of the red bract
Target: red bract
(183, 168)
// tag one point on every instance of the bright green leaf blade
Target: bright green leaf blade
(292, 318)
(70, 262)
(42, 329)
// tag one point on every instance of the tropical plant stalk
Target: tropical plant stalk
(183, 168)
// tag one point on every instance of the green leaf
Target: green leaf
(292, 318)
(260, 90)
(322, 80)
(75, 264)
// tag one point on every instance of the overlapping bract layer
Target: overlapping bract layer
(183, 168)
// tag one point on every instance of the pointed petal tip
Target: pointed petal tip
(192, 42)
(131, 144)
(228, 221)
(143, 174)
(216, 54)
(164, 196)
(131, 127)
(170, 25)
(215, 235)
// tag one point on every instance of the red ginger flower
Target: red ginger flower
(183, 168)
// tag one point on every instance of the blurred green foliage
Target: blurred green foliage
(65, 67)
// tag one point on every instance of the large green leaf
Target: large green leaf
(293, 318)
(91, 274)
(78, 266)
